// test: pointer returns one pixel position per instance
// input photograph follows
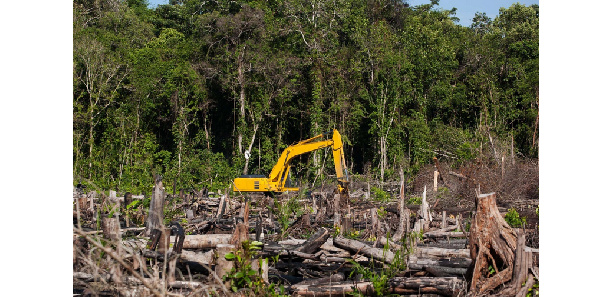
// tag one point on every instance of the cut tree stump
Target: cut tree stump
(110, 228)
(492, 243)
(157, 204)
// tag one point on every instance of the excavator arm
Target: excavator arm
(276, 181)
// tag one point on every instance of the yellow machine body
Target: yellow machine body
(278, 180)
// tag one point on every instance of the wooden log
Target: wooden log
(356, 246)
(203, 241)
(130, 280)
(437, 234)
(433, 252)
(492, 242)
(446, 286)
(315, 241)
(338, 277)
(420, 263)
(156, 211)
(435, 179)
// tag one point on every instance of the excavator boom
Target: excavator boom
(277, 181)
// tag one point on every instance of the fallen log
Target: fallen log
(356, 246)
(203, 241)
(424, 252)
(445, 286)
(338, 277)
(436, 234)
(314, 242)
(87, 277)
(420, 263)
(440, 267)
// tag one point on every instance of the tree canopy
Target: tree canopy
(183, 90)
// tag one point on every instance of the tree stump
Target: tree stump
(223, 265)
(110, 228)
(157, 204)
(492, 244)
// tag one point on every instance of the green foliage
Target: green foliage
(414, 200)
(534, 290)
(379, 277)
(286, 211)
(178, 90)
(243, 276)
(380, 195)
(513, 219)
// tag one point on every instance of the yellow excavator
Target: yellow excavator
(280, 181)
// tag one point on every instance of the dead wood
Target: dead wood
(203, 241)
(433, 252)
(438, 234)
(338, 277)
(240, 234)
(156, 211)
(110, 228)
(356, 246)
(445, 286)
(314, 242)
(223, 265)
(522, 270)
(492, 243)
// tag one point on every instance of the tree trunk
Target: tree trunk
(492, 243)
(400, 231)
(250, 148)
(156, 211)
(356, 246)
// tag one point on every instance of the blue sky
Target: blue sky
(466, 9)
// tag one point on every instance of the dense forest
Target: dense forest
(185, 89)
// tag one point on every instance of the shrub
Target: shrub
(513, 219)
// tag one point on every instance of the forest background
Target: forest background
(38, 128)
(184, 90)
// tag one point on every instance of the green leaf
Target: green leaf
(229, 256)
(239, 274)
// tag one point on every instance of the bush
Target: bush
(513, 219)
(380, 195)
